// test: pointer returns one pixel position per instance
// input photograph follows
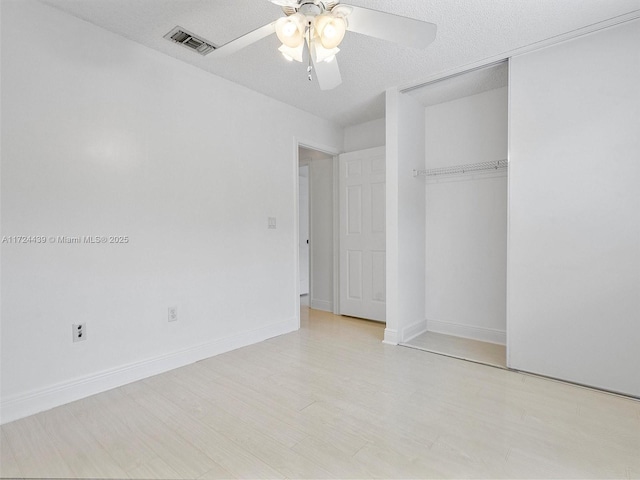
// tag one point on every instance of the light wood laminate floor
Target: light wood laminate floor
(332, 401)
(464, 348)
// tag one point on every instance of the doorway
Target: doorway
(316, 206)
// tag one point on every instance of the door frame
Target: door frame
(333, 152)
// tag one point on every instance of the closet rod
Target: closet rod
(462, 169)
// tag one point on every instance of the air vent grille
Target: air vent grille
(189, 40)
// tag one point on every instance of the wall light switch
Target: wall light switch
(272, 222)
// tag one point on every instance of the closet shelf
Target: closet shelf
(462, 169)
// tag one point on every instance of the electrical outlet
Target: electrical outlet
(173, 314)
(79, 332)
(271, 222)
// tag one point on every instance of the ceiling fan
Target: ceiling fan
(321, 25)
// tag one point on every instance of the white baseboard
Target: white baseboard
(467, 331)
(23, 405)
(414, 330)
(324, 305)
(390, 337)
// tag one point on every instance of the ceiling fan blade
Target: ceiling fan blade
(328, 74)
(244, 41)
(286, 3)
(404, 31)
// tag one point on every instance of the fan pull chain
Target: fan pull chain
(310, 66)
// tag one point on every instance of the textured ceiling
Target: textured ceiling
(468, 31)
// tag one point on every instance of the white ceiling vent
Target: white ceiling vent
(190, 41)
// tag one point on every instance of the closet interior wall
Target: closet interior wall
(466, 217)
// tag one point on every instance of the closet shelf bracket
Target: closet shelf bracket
(462, 169)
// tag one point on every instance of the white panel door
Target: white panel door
(362, 234)
(304, 228)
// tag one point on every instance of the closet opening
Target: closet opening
(465, 175)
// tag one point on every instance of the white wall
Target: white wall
(466, 218)
(365, 135)
(467, 130)
(405, 151)
(574, 259)
(101, 136)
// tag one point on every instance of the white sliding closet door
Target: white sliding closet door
(362, 234)
(574, 251)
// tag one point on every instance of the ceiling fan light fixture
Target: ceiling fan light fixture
(290, 30)
(341, 10)
(322, 24)
(292, 53)
(330, 29)
(320, 53)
